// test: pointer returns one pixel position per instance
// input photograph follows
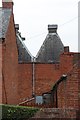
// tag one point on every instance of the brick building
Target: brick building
(53, 76)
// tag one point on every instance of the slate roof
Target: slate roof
(24, 55)
(4, 21)
(51, 48)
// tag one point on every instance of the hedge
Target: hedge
(11, 112)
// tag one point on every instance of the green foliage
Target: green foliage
(10, 112)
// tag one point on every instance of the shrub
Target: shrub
(10, 112)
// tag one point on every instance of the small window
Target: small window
(39, 99)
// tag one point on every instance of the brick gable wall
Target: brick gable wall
(10, 65)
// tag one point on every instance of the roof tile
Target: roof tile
(4, 21)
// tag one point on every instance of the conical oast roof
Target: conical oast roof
(24, 55)
(51, 48)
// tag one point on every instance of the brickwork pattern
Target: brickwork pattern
(10, 64)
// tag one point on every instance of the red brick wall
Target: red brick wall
(66, 62)
(10, 65)
(72, 89)
(45, 77)
(61, 95)
(68, 90)
(24, 81)
(0, 72)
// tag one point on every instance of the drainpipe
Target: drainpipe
(33, 77)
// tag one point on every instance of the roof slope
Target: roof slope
(24, 55)
(52, 47)
(4, 21)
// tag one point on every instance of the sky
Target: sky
(33, 17)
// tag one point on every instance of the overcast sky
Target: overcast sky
(33, 17)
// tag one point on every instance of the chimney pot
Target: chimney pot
(52, 28)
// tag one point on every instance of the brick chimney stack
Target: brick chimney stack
(66, 49)
(7, 4)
